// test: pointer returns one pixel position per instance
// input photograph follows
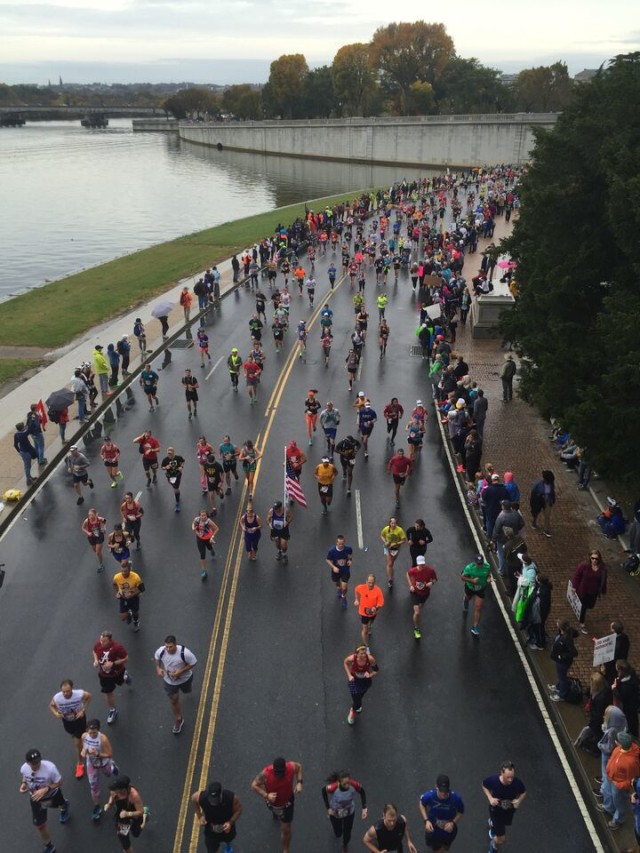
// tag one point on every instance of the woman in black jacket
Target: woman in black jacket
(626, 690)
(563, 653)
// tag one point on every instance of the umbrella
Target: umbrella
(507, 265)
(59, 400)
(162, 309)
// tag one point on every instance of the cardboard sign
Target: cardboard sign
(434, 311)
(574, 601)
(604, 649)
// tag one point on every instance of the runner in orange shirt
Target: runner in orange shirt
(299, 274)
(369, 600)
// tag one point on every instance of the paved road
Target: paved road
(271, 638)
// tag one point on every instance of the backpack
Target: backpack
(575, 693)
(53, 416)
(181, 654)
(120, 347)
(631, 565)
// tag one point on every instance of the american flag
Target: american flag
(294, 490)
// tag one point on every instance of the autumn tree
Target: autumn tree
(283, 95)
(547, 88)
(354, 78)
(196, 102)
(243, 101)
(577, 314)
(405, 54)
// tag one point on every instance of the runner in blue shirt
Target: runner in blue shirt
(441, 809)
(339, 559)
(366, 421)
(505, 793)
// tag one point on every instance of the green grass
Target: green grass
(10, 368)
(57, 313)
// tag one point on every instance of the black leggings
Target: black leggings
(392, 427)
(342, 827)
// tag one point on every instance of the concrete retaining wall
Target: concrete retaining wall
(163, 125)
(456, 141)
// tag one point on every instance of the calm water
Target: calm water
(73, 198)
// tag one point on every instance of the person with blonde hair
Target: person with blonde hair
(600, 697)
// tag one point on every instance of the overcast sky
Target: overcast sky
(234, 41)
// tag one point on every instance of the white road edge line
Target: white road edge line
(582, 806)
(138, 496)
(359, 520)
(213, 368)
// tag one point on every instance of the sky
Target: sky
(208, 41)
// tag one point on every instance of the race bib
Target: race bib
(123, 828)
(506, 804)
(173, 480)
(343, 812)
(324, 489)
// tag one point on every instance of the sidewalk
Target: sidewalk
(516, 439)
(58, 373)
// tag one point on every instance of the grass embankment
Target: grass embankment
(57, 313)
(12, 367)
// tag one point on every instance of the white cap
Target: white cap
(360, 393)
(420, 561)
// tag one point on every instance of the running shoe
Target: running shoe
(475, 631)
(492, 833)
(227, 848)
(204, 575)
(49, 848)
(177, 508)
(177, 727)
(554, 689)
(120, 475)
(339, 594)
(138, 545)
(96, 814)
(111, 716)
(417, 633)
(90, 484)
(136, 626)
(129, 617)
(113, 484)
(79, 770)
(228, 492)
(555, 697)
(285, 558)
(390, 584)
(80, 500)
(127, 678)
(65, 812)
(155, 478)
(100, 568)
(351, 718)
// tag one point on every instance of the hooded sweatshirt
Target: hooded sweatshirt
(624, 766)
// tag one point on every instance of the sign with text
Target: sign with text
(574, 601)
(604, 649)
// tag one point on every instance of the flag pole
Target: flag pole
(284, 502)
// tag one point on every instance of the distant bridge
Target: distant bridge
(120, 111)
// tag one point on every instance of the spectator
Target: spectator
(80, 389)
(539, 611)
(621, 651)
(584, 469)
(35, 428)
(123, 347)
(507, 373)
(600, 697)
(185, 300)
(590, 582)
(114, 364)
(26, 450)
(541, 500)
(508, 517)
(63, 420)
(101, 369)
(625, 692)
(614, 722)
(480, 406)
(472, 453)
(512, 487)
(611, 521)
(563, 653)
(492, 498)
(622, 768)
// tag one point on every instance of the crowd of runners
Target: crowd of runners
(422, 230)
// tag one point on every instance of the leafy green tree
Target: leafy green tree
(577, 315)
(547, 88)
(284, 94)
(319, 94)
(196, 102)
(354, 79)
(467, 86)
(405, 54)
(243, 101)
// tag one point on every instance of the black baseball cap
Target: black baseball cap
(279, 766)
(443, 784)
(214, 793)
(33, 755)
(121, 783)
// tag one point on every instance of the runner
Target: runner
(347, 450)
(340, 559)
(110, 455)
(382, 301)
(173, 466)
(325, 342)
(203, 346)
(148, 445)
(392, 413)
(352, 361)
(393, 538)
(329, 420)
(367, 418)
(203, 449)
(383, 337)
(421, 579)
(325, 474)
(505, 793)
(249, 456)
(358, 404)
(43, 782)
(294, 460)
(206, 530)
(278, 333)
(362, 323)
(279, 519)
(128, 587)
(400, 466)
(332, 272)
(218, 811)
(98, 756)
(94, 527)
(360, 668)
(311, 408)
(251, 526)
(475, 576)
(174, 665)
(278, 784)
(109, 658)
(387, 835)
(229, 456)
(149, 384)
(414, 438)
(441, 810)
(418, 538)
(191, 386)
(310, 284)
(70, 706)
(79, 465)
(234, 363)
(302, 340)
(118, 542)
(131, 513)
(252, 371)
(299, 275)
(369, 600)
(255, 328)
(214, 479)
(129, 812)
(339, 795)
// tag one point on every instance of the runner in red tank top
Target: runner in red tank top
(277, 784)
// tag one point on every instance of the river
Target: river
(74, 198)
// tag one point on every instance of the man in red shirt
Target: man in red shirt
(109, 658)
(420, 578)
(252, 371)
(295, 460)
(400, 466)
(278, 784)
(149, 447)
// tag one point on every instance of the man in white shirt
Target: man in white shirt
(174, 664)
(70, 706)
(42, 781)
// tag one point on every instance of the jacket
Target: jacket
(623, 767)
(587, 582)
(100, 364)
(617, 723)
(564, 650)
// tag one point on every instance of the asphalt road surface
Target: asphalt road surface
(270, 638)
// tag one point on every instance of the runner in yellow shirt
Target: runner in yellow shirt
(128, 586)
(393, 538)
(325, 474)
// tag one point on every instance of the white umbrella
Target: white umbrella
(162, 309)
